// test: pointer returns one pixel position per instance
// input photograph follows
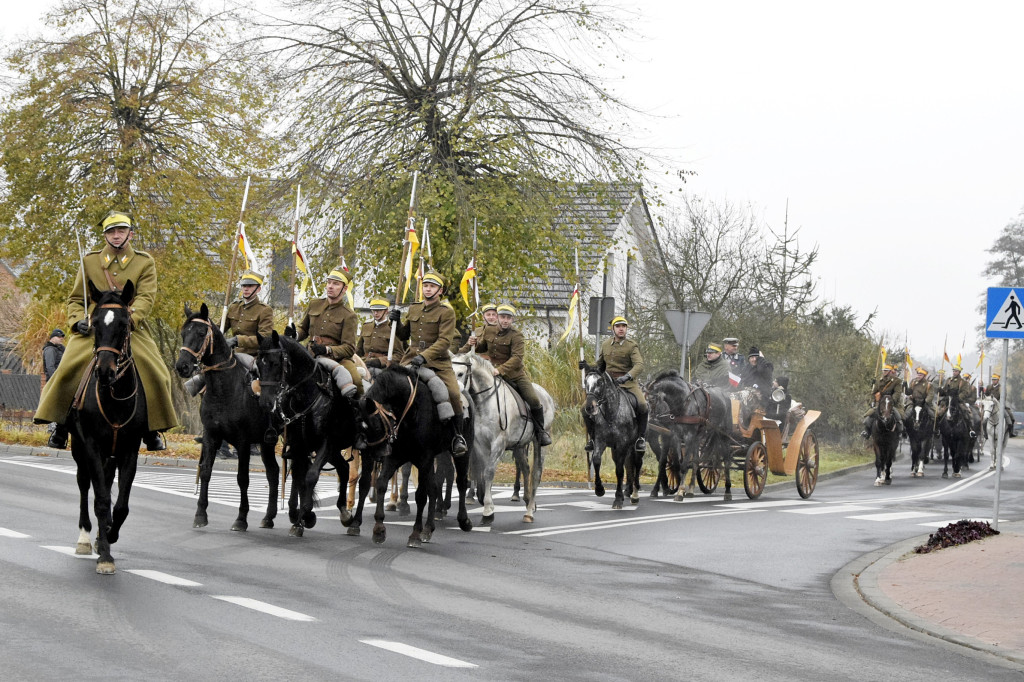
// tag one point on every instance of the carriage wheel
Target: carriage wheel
(708, 477)
(755, 473)
(807, 465)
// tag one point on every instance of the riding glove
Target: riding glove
(623, 379)
(395, 315)
(290, 332)
(318, 349)
(583, 364)
(82, 327)
(233, 342)
(417, 361)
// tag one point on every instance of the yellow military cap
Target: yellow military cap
(340, 275)
(712, 348)
(378, 304)
(434, 278)
(922, 370)
(115, 219)
(506, 309)
(618, 319)
(488, 306)
(251, 277)
(995, 376)
(967, 375)
(890, 368)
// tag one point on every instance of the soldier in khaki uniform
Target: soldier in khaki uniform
(249, 315)
(506, 350)
(961, 387)
(429, 328)
(108, 268)
(624, 363)
(331, 326)
(890, 384)
(486, 331)
(993, 391)
(375, 336)
(921, 392)
(714, 370)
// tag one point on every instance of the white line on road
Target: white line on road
(892, 516)
(940, 524)
(70, 551)
(164, 577)
(830, 509)
(421, 654)
(7, 533)
(264, 607)
(618, 523)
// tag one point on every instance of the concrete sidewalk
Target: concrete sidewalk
(971, 595)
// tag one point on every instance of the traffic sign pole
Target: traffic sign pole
(1003, 321)
(1001, 436)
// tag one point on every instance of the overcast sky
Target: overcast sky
(892, 128)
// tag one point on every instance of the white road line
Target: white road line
(164, 577)
(940, 524)
(891, 516)
(829, 509)
(948, 490)
(767, 504)
(264, 607)
(600, 525)
(421, 654)
(7, 533)
(70, 551)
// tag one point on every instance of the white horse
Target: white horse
(503, 422)
(990, 407)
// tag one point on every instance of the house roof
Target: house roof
(591, 214)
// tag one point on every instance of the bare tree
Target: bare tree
(783, 282)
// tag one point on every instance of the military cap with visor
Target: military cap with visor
(434, 278)
(340, 275)
(506, 309)
(378, 304)
(115, 219)
(618, 319)
(251, 277)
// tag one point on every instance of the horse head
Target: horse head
(201, 342)
(885, 411)
(472, 369)
(112, 324)
(276, 364)
(599, 387)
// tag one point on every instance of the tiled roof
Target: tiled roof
(19, 391)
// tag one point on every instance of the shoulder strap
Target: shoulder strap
(110, 280)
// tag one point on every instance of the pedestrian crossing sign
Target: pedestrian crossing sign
(1003, 319)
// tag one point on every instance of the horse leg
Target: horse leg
(343, 469)
(206, 455)
(595, 459)
(536, 472)
(84, 544)
(423, 495)
(273, 470)
(241, 523)
(353, 478)
(297, 501)
(366, 479)
(487, 481)
(618, 457)
(127, 463)
(392, 504)
(387, 469)
(462, 483)
(728, 478)
(516, 486)
(101, 510)
(403, 495)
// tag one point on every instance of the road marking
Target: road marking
(164, 577)
(829, 509)
(421, 654)
(948, 490)
(264, 607)
(940, 524)
(767, 504)
(70, 551)
(891, 516)
(600, 525)
(7, 533)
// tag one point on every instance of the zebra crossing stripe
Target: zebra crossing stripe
(264, 607)
(419, 654)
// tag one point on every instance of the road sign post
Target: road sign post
(1003, 321)
(686, 326)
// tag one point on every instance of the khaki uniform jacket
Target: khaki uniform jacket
(713, 373)
(245, 319)
(332, 325)
(484, 334)
(139, 267)
(429, 331)
(623, 357)
(920, 391)
(506, 350)
(993, 391)
(962, 388)
(374, 340)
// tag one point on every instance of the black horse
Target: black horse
(399, 424)
(303, 402)
(955, 429)
(615, 426)
(885, 437)
(107, 421)
(230, 412)
(919, 423)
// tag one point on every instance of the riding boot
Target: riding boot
(588, 424)
(543, 437)
(641, 442)
(866, 433)
(459, 447)
(59, 437)
(154, 441)
(196, 384)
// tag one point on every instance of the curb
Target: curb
(856, 586)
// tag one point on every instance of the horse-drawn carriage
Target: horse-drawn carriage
(712, 430)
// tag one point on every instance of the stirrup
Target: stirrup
(641, 445)
(58, 440)
(543, 437)
(589, 447)
(459, 447)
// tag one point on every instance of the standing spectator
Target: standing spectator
(53, 351)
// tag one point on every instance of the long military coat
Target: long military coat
(128, 264)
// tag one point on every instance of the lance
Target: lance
(234, 256)
(405, 254)
(942, 372)
(341, 244)
(295, 243)
(85, 291)
(579, 317)
(476, 276)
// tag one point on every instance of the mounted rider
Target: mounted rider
(624, 364)
(110, 268)
(891, 384)
(994, 391)
(429, 328)
(921, 393)
(486, 331)
(506, 349)
(375, 336)
(330, 325)
(714, 370)
(960, 387)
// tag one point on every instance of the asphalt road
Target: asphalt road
(702, 589)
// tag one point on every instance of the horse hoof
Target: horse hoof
(240, 525)
(599, 490)
(295, 532)
(957, 475)
(309, 519)
(487, 520)
(105, 567)
(112, 535)
(267, 523)
(403, 509)
(439, 514)
(887, 481)
(617, 504)
(654, 493)
(634, 499)
(414, 541)
(727, 497)
(346, 518)
(352, 530)
(679, 497)
(528, 518)
(379, 533)
(390, 506)
(945, 474)
(425, 535)
(514, 498)
(199, 522)
(688, 493)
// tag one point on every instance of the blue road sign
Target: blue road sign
(1003, 318)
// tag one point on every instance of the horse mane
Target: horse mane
(389, 379)
(667, 374)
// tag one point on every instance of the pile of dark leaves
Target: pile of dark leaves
(959, 533)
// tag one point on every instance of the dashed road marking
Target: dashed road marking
(264, 607)
(420, 654)
(892, 516)
(829, 509)
(70, 551)
(8, 533)
(164, 577)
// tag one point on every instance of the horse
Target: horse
(502, 422)
(919, 424)
(230, 412)
(398, 423)
(991, 405)
(302, 399)
(956, 436)
(885, 436)
(614, 426)
(107, 421)
(668, 449)
(699, 418)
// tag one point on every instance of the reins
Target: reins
(206, 348)
(387, 417)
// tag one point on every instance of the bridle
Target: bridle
(280, 400)
(387, 417)
(601, 403)
(483, 394)
(206, 348)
